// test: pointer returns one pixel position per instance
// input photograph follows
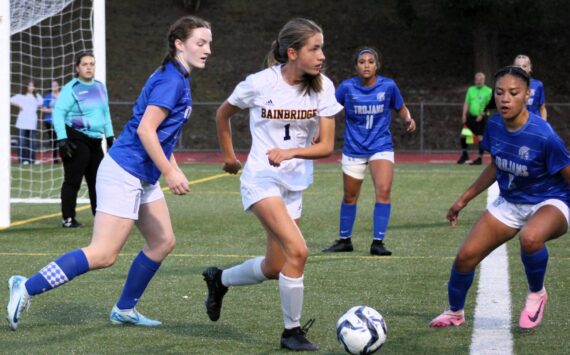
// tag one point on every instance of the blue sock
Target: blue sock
(347, 217)
(381, 218)
(58, 272)
(459, 284)
(535, 268)
(141, 272)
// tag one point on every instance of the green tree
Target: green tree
(487, 20)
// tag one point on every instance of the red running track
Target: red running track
(401, 157)
(216, 157)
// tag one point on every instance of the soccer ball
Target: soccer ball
(361, 330)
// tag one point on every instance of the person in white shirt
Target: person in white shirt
(288, 103)
(27, 121)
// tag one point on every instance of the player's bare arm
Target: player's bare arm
(486, 179)
(223, 125)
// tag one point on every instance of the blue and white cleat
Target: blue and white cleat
(131, 316)
(19, 300)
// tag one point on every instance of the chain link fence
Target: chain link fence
(438, 126)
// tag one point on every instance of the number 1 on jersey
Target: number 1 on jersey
(287, 135)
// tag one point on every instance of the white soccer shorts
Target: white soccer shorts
(516, 215)
(252, 192)
(120, 193)
(356, 167)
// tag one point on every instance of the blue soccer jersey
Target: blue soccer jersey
(536, 98)
(528, 161)
(368, 115)
(169, 89)
(49, 102)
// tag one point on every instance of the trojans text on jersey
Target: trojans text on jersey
(511, 167)
(368, 109)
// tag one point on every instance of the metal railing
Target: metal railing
(438, 126)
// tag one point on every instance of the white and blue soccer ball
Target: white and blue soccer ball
(361, 330)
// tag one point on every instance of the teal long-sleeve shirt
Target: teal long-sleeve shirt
(83, 107)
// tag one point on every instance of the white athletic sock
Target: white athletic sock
(246, 273)
(291, 291)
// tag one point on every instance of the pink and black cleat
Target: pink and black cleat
(448, 318)
(533, 310)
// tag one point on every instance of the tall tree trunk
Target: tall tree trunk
(485, 49)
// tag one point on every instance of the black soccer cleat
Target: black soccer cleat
(477, 161)
(295, 339)
(463, 158)
(340, 245)
(70, 222)
(378, 248)
(216, 292)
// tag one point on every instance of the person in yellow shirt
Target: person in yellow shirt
(473, 117)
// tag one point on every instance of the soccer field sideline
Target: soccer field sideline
(492, 315)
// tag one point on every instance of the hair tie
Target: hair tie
(367, 50)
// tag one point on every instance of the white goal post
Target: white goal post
(38, 41)
(4, 114)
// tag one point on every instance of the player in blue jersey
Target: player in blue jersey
(127, 183)
(47, 109)
(532, 167)
(368, 100)
(288, 101)
(536, 102)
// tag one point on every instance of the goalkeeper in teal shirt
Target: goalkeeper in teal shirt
(81, 120)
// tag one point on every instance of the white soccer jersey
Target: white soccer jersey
(281, 117)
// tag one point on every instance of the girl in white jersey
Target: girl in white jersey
(127, 184)
(287, 103)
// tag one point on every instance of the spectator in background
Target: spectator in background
(27, 122)
(81, 119)
(474, 117)
(47, 109)
(536, 102)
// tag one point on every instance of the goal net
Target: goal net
(45, 37)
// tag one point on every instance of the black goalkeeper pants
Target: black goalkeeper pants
(84, 162)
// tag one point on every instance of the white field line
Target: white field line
(492, 319)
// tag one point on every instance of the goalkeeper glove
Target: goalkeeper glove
(66, 148)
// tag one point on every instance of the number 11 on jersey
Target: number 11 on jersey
(369, 121)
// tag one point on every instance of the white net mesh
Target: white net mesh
(45, 37)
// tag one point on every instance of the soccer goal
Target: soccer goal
(38, 42)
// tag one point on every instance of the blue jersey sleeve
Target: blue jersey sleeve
(165, 92)
(556, 154)
(47, 101)
(540, 99)
(396, 101)
(340, 93)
